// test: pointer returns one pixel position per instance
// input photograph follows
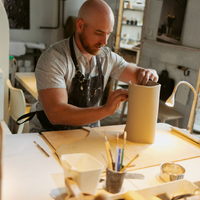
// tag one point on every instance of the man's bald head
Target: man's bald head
(94, 25)
(92, 10)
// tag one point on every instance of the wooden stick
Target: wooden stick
(129, 163)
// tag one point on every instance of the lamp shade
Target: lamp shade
(170, 100)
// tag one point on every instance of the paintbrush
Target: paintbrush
(125, 135)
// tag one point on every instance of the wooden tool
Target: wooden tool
(75, 191)
(129, 163)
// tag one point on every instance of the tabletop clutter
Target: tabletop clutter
(83, 172)
(115, 172)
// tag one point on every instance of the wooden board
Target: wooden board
(168, 145)
(94, 144)
(58, 138)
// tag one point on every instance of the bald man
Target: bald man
(72, 74)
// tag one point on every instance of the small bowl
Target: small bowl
(171, 172)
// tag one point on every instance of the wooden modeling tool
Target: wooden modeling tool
(108, 153)
(41, 149)
(129, 163)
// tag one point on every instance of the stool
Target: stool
(165, 114)
(122, 85)
(122, 115)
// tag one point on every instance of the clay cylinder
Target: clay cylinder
(143, 104)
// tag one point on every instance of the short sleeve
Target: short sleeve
(50, 70)
(114, 64)
(119, 64)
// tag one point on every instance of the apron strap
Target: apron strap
(73, 53)
(100, 70)
(29, 116)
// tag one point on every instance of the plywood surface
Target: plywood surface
(58, 138)
(168, 145)
(93, 144)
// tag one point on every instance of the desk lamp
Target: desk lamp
(170, 103)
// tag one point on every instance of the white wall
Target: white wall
(71, 9)
(44, 13)
(169, 56)
(4, 53)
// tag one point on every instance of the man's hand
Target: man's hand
(138, 75)
(144, 75)
(115, 99)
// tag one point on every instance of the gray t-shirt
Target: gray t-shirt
(55, 69)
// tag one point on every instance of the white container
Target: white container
(84, 169)
(172, 189)
(21, 69)
(28, 69)
(20, 63)
(27, 63)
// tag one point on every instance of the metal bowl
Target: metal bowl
(171, 172)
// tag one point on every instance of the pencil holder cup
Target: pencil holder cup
(84, 169)
(114, 180)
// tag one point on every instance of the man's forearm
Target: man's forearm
(58, 111)
(75, 116)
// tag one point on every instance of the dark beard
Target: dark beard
(86, 46)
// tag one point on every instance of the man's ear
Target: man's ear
(79, 25)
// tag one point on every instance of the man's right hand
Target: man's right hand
(115, 99)
(58, 111)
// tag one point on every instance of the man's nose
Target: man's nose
(104, 39)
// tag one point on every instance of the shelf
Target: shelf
(135, 49)
(132, 25)
(131, 9)
(130, 48)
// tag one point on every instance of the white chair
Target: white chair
(1, 158)
(17, 105)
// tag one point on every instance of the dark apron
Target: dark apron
(83, 93)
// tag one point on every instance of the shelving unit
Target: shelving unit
(129, 51)
(131, 31)
(129, 48)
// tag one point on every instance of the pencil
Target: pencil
(108, 153)
(129, 163)
(125, 134)
(41, 149)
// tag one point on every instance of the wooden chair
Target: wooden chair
(17, 105)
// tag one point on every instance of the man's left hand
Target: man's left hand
(144, 75)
